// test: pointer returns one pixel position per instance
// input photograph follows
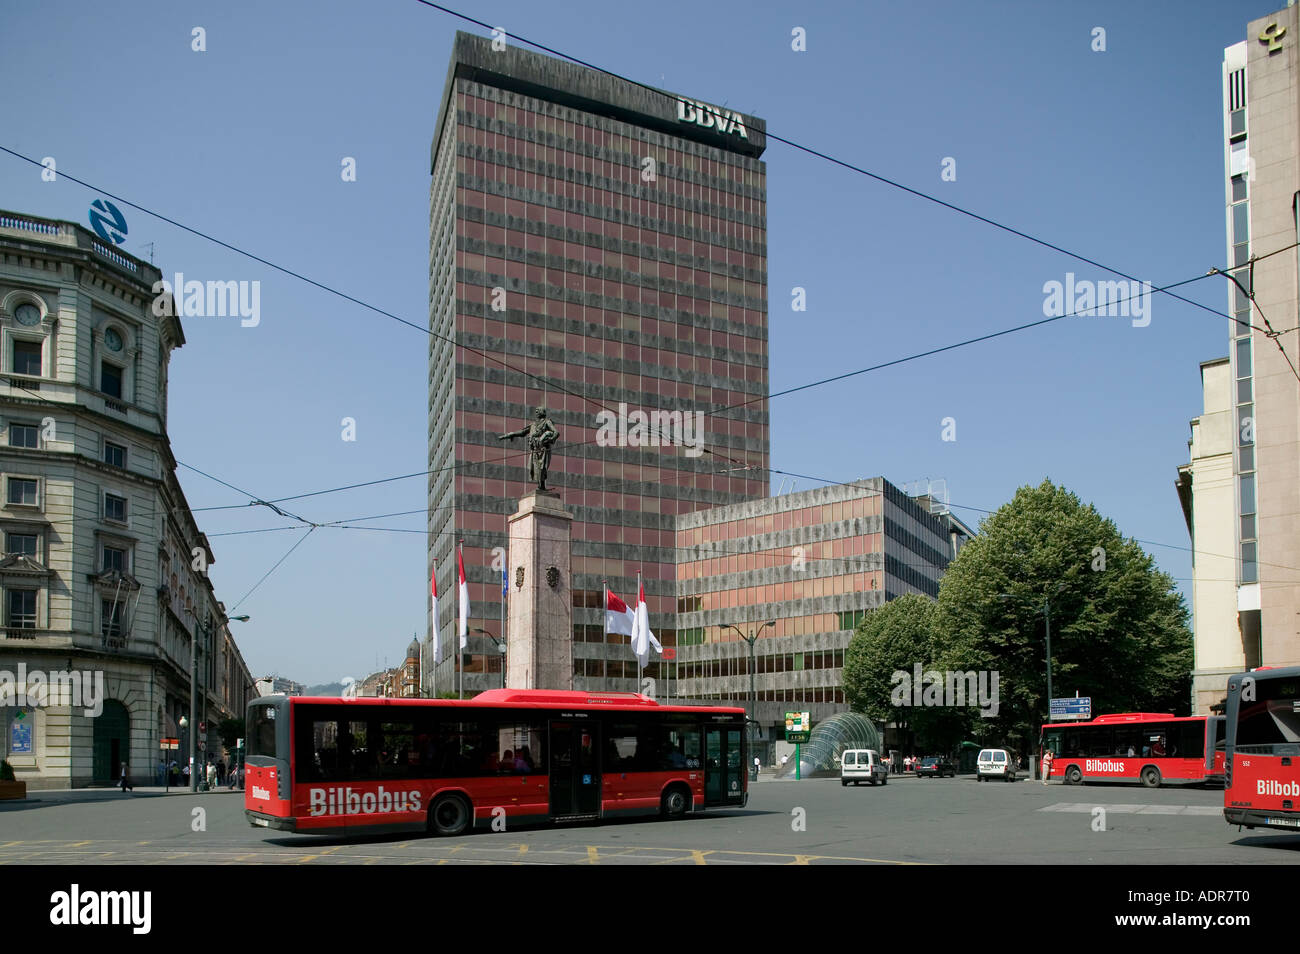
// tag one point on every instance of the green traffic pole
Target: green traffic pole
(796, 761)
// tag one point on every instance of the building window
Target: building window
(22, 435)
(110, 626)
(110, 379)
(115, 508)
(22, 491)
(27, 358)
(21, 607)
(21, 543)
(115, 558)
(114, 454)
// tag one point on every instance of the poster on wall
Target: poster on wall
(20, 733)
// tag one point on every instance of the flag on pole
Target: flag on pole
(642, 637)
(464, 599)
(619, 618)
(433, 615)
(505, 588)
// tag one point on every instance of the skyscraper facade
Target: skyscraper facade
(597, 248)
(1260, 516)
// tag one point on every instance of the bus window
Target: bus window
(520, 748)
(1270, 724)
(261, 737)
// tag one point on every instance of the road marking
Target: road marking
(593, 857)
(1086, 808)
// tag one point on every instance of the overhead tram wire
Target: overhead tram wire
(803, 387)
(545, 383)
(831, 159)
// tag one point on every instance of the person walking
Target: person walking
(126, 778)
(212, 776)
(1048, 758)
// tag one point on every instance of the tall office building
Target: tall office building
(1257, 620)
(594, 244)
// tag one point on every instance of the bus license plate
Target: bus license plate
(260, 821)
(1288, 822)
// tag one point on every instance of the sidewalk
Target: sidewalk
(106, 793)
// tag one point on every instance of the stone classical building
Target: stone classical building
(103, 580)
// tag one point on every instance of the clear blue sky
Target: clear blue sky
(1116, 155)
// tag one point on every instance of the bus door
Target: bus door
(575, 770)
(723, 757)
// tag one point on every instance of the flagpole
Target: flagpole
(604, 629)
(634, 628)
(504, 587)
(460, 650)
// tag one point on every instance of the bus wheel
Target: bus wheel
(1073, 776)
(1151, 777)
(675, 803)
(450, 815)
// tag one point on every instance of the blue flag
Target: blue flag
(504, 587)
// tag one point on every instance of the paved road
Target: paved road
(909, 821)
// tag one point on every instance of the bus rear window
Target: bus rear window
(261, 731)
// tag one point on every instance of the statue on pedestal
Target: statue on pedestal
(541, 433)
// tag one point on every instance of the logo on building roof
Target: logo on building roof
(711, 117)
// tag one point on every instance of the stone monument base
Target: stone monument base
(539, 642)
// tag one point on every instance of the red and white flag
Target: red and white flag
(464, 599)
(642, 637)
(618, 618)
(433, 614)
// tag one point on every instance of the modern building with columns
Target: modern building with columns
(104, 570)
(1241, 487)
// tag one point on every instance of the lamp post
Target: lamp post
(184, 723)
(203, 626)
(501, 648)
(1047, 627)
(752, 638)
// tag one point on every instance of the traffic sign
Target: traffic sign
(171, 743)
(1075, 708)
(202, 745)
(670, 652)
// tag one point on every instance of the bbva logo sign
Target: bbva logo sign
(711, 117)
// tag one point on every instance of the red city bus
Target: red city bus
(325, 765)
(1262, 771)
(1146, 747)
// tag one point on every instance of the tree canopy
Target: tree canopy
(1118, 626)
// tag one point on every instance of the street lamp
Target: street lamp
(752, 638)
(184, 723)
(501, 647)
(203, 626)
(1047, 627)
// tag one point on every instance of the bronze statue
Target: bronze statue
(541, 434)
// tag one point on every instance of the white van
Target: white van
(995, 763)
(859, 765)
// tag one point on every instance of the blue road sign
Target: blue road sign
(1075, 708)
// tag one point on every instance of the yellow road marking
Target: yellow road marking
(802, 859)
(593, 857)
(698, 856)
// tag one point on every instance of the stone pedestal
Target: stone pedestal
(539, 645)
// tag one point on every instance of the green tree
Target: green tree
(231, 731)
(1118, 626)
(895, 638)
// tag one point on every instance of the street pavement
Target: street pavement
(814, 821)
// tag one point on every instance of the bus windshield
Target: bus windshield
(1269, 724)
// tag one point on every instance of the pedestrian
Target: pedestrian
(757, 766)
(126, 779)
(212, 775)
(1048, 758)
(221, 772)
(784, 759)
(162, 772)
(186, 772)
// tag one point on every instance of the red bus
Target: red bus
(505, 757)
(1147, 747)
(1262, 773)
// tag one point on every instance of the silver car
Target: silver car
(862, 765)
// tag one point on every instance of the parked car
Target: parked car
(936, 767)
(995, 763)
(859, 765)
